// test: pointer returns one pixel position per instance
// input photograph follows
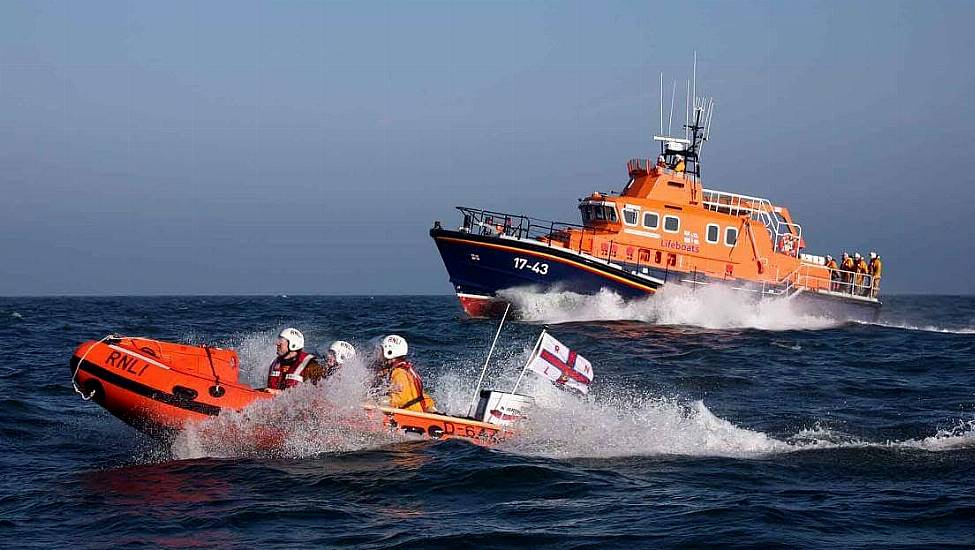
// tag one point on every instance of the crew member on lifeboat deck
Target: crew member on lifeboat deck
(846, 272)
(876, 268)
(293, 365)
(834, 274)
(861, 271)
(339, 353)
(405, 385)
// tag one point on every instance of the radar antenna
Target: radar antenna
(698, 112)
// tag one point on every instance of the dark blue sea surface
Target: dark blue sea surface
(710, 423)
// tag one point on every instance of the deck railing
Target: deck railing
(504, 224)
(838, 281)
(785, 236)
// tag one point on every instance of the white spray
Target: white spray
(712, 307)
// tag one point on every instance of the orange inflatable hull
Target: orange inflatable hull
(159, 387)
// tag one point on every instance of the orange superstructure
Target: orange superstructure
(666, 219)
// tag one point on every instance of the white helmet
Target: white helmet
(873, 255)
(343, 351)
(394, 346)
(296, 340)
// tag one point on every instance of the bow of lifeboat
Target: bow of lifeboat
(158, 386)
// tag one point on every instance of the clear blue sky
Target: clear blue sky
(306, 147)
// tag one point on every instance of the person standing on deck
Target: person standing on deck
(834, 274)
(846, 273)
(876, 268)
(861, 271)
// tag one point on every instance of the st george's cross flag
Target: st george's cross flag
(562, 366)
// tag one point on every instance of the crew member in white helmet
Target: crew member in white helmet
(339, 353)
(293, 365)
(405, 386)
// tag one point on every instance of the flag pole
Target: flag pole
(477, 389)
(530, 357)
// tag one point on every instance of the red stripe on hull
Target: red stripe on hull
(482, 306)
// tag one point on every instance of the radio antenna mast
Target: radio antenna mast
(662, 102)
(670, 123)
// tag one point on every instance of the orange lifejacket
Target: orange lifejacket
(406, 388)
(876, 267)
(288, 373)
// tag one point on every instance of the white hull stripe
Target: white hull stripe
(474, 296)
(140, 356)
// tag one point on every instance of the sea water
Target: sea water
(711, 421)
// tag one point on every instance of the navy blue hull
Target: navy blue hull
(480, 266)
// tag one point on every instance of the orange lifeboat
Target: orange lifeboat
(159, 387)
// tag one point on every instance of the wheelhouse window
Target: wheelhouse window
(630, 215)
(671, 224)
(598, 212)
(730, 236)
(713, 233)
(651, 220)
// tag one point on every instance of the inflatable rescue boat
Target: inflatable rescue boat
(158, 387)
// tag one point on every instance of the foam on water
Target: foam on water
(256, 352)
(630, 424)
(301, 422)
(712, 307)
(924, 328)
(563, 426)
(310, 421)
(614, 421)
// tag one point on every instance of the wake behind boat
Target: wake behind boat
(664, 228)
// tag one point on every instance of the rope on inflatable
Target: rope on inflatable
(74, 376)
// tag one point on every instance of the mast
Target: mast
(698, 112)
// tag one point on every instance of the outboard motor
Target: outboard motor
(502, 408)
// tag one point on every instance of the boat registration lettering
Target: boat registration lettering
(669, 243)
(126, 363)
(536, 267)
(449, 429)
